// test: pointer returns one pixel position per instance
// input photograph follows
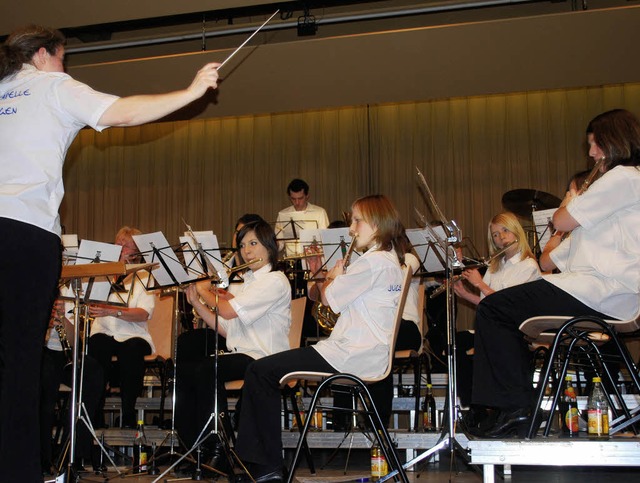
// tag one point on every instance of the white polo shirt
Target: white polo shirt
(122, 330)
(263, 305)
(600, 261)
(366, 297)
(411, 305)
(511, 272)
(40, 115)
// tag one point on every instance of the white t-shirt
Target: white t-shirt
(511, 272)
(263, 305)
(40, 115)
(600, 261)
(366, 298)
(312, 213)
(411, 305)
(122, 330)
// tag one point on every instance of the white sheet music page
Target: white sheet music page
(544, 227)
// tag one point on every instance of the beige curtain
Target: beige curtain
(209, 172)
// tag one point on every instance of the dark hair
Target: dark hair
(377, 210)
(617, 134)
(298, 185)
(338, 224)
(265, 235)
(23, 43)
(578, 178)
(247, 218)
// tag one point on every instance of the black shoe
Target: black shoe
(272, 477)
(510, 423)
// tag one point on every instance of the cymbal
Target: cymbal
(523, 202)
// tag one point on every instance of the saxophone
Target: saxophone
(323, 314)
(64, 341)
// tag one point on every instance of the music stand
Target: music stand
(171, 273)
(443, 246)
(75, 273)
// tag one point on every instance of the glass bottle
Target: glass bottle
(140, 450)
(569, 409)
(301, 411)
(429, 411)
(379, 466)
(598, 412)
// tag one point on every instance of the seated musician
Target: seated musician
(514, 266)
(123, 332)
(57, 369)
(366, 297)
(255, 318)
(599, 273)
(197, 343)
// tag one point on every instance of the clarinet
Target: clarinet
(64, 341)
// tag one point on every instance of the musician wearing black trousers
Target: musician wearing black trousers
(254, 316)
(599, 273)
(57, 369)
(366, 297)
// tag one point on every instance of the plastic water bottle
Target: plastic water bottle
(598, 412)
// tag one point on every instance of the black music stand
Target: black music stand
(449, 264)
(76, 273)
(172, 273)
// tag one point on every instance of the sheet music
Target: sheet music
(544, 228)
(335, 242)
(146, 244)
(430, 252)
(88, 251)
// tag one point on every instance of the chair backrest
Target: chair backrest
(297, 321)
(396, 324)
(161, 326)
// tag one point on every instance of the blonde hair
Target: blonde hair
(511, 223)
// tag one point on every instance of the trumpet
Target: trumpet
(483, 263)
(323, 314)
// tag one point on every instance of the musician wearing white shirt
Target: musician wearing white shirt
(366, 297)
(600, 272)
(254, 316)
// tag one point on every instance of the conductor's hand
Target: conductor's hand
(205, 78)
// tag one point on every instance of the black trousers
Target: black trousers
(54, 371)
(30, 263)
(502, 376)
(195, 394)
(130, 354)
(260, 438)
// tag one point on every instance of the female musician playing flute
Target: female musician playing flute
(254, 316)
(600, 273)
(366, 297)
(515, 266)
